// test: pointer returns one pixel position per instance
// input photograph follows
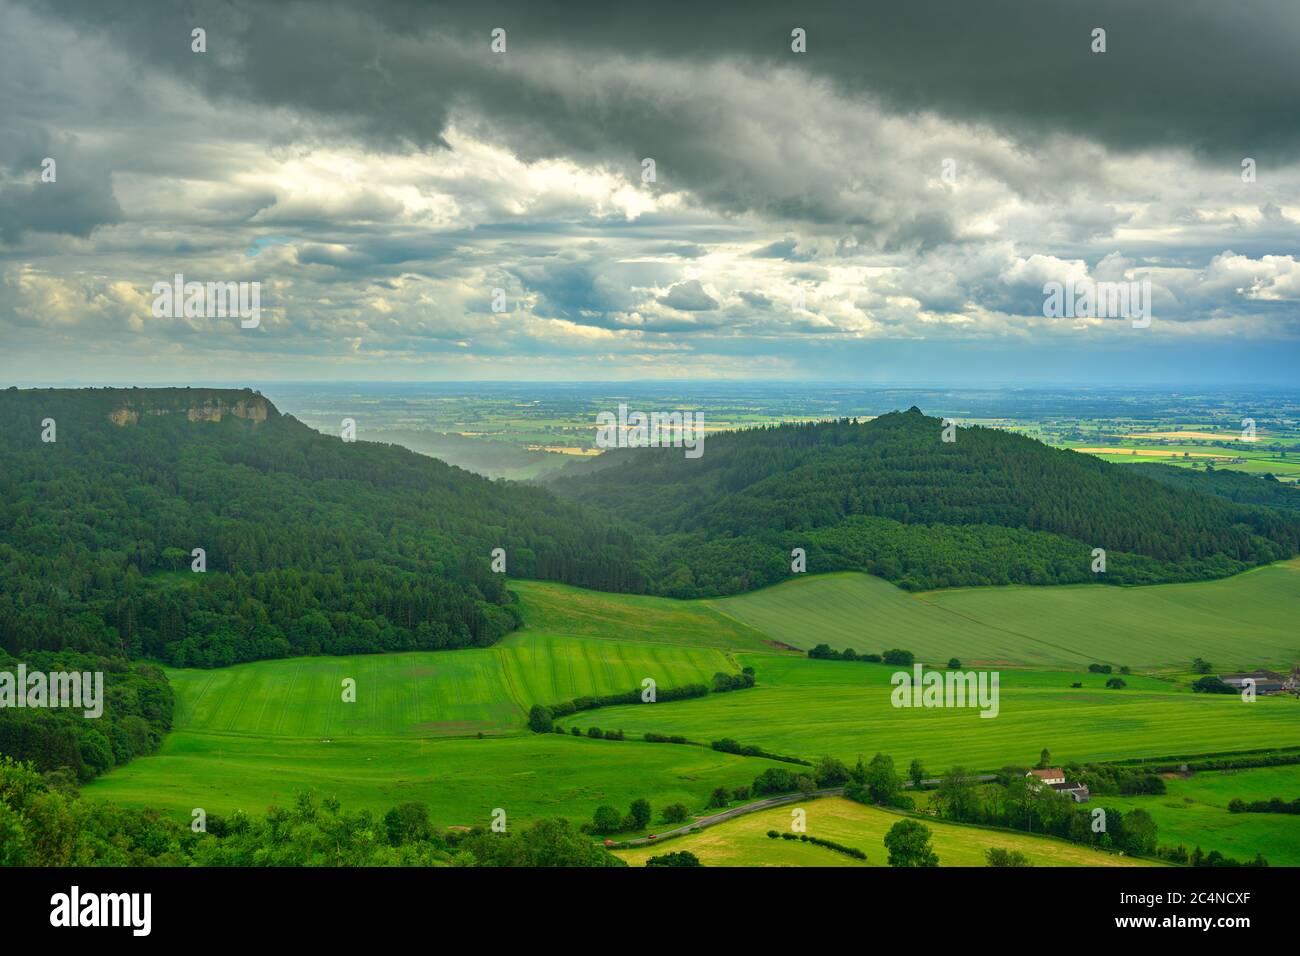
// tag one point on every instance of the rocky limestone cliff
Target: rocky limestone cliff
(196, 404)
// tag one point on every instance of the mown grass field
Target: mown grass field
(251, 735)
(809, 708)
(744, 841)
(426, 694)
(1195, 813)
(460, 780)
(1245, 621)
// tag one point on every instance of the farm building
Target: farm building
(1054, 777)
(1266, 682)
(1078, 792)
(1050, 776)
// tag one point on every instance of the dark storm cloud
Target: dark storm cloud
(1222, 80)
(75, 204)
(925, 230)
(80, 197)
(585, 289)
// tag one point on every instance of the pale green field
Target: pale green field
(744, 841)
(560, 609)
(1246, 621)
(871, 615)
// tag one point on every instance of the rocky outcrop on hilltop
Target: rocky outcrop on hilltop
(196, 404)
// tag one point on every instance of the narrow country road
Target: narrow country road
(723, 815)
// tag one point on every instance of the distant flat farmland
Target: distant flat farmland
(1188, 449)
(1245, 621)
(1203, 436)
(1151, 453)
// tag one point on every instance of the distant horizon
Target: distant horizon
(1162, 389)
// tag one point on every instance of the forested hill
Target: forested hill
(890, 497)
(312, 544)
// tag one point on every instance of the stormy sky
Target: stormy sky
(886, 206)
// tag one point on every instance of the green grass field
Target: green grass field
(809, 708)
(560, 609)
(1195, 813)
(1245, 621)
(460, 780)
(426, 694)
(744, 841)
(870, 614)
(252, 735)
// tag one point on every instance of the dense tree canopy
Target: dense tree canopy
(137, 713)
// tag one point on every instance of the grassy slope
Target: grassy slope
(560, 609)
(744, 841)
(870, 614)
(810, 708)
(1195, 812)
(1243, 621)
